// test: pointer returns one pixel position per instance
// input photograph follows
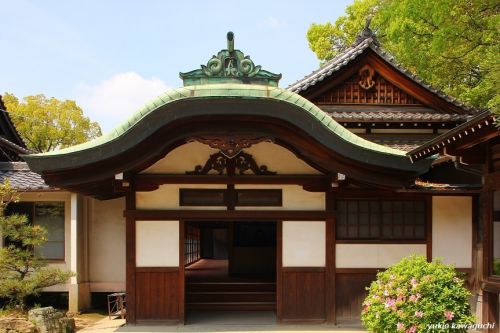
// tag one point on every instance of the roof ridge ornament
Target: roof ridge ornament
(367, 33)
(230, 66)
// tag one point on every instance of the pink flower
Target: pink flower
(413, 298)
(392, 277)
(386, 292)
(412, 329)
(414, 283)
(389, 302)
(419, 314)
(400, 326)
(449, 315)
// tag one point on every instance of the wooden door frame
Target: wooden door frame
(182, 273)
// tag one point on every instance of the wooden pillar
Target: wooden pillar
(490, 310)
(330, 256)
(130, 252)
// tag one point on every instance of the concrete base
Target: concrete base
(79, 297)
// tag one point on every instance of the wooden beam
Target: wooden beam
(263, 215)
(148, 182)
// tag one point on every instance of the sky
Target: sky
(113, 56)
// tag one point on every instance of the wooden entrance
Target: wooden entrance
(236, 266)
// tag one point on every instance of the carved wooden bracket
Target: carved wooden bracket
(239, 164)
(231, 145)
(366, 74)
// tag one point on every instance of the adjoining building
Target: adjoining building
(233, 193)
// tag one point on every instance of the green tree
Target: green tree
(23, 271)
(47, 124)
(452, 44)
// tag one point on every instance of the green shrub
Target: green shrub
(417, 296)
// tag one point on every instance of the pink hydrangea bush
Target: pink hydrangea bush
(417, 296)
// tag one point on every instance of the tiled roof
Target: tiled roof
(367, 41)
(421, 114)
(21, 177)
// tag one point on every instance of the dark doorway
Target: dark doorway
(236, 269)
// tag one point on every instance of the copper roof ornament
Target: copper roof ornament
(230, 66)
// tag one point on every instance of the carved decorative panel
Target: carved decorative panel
(239, 164)
(367, 87)
(230, 146)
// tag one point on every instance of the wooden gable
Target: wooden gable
(367, 86)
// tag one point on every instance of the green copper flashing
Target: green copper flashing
(230, 66)
(230, 91)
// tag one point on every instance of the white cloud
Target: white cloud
(111, 101)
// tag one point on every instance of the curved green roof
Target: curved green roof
(236, 91)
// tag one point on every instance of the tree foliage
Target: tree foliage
(452, 44)
(23, 272)
(47, 124)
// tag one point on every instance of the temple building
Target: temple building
(231, 193)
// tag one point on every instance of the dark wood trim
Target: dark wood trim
(157, 322)
(492, 180)
(278, 195)
(279, 273)
(156, 269)
(490, 310)
(381, 241)
(428, 217)
(266, 215)
(358, 270)
(130, 204)
(182, 279)
(148, 182)
(303, 269)
(230, 197)
(330, 258)
(491, 286)
(210, 191)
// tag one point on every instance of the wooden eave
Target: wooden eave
(466, 138)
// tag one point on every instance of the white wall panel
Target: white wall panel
(374, 255)
(157, 243)
(304, 243)
(452, 230)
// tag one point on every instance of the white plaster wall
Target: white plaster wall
(186, 157)
(294, 198)
(279, 159)
(183, 158)
(452, 230)
(107, 241)
(167, 197)
(304, 244)
(374, 255)
(157, 243)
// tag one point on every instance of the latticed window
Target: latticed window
(381, 220)
(49, 215)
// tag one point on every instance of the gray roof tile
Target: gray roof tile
(21, 177)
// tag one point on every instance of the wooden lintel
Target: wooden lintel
(147, 182)
(226, 214)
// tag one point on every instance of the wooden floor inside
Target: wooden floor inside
(216, 270)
